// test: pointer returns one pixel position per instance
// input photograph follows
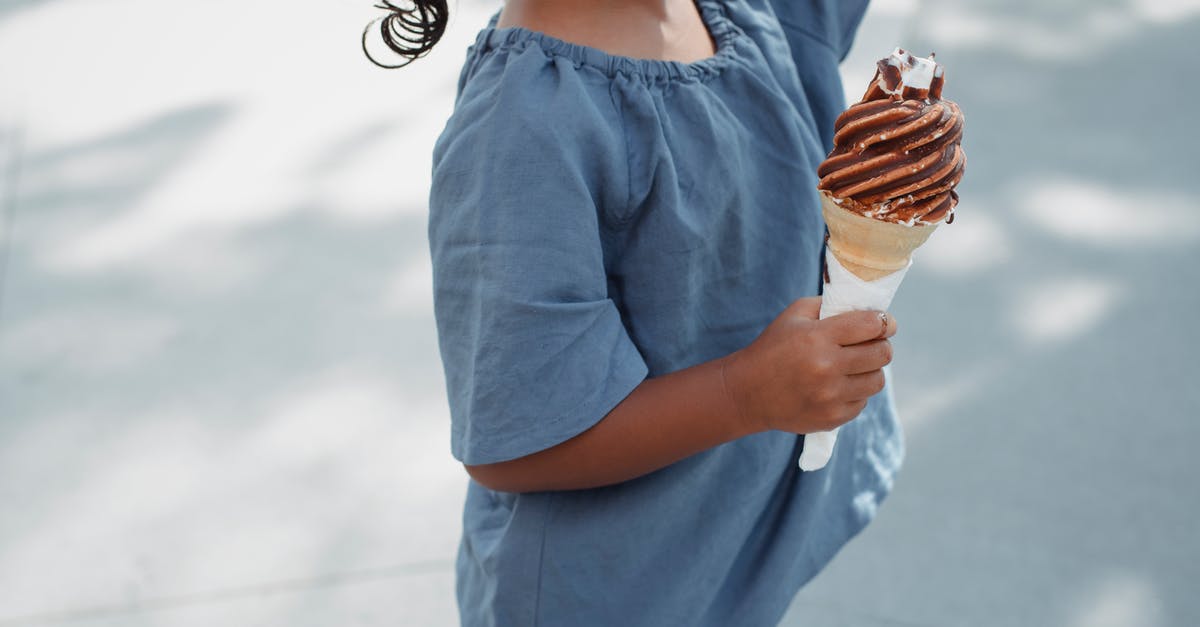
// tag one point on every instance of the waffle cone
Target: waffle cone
(870, 248)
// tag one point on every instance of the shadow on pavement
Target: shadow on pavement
(277, 378)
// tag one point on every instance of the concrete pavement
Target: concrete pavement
(1047, 356)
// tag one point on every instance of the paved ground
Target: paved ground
(1046, 366)
(220, 400)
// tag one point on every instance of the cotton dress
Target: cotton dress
(596, 220)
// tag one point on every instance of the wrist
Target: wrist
(741, 421)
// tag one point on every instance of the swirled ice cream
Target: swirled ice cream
(897, 153)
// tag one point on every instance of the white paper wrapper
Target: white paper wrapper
(846, 292)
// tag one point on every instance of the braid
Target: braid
(409, 32)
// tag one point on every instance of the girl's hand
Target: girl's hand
(803, 374)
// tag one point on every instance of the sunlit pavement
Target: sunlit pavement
(220, 396)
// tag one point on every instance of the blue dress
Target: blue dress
(596, 220)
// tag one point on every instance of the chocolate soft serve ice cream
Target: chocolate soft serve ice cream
(888, 183)
(897, 153)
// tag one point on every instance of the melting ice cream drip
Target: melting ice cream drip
(905, 76)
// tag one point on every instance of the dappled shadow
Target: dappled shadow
(68, 188)
(279, 377)
(9, 8)
(220, 394)
(345, 148)
(73, 186)
(287, 409)
(1043, 370)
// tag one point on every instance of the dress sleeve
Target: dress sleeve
(534, 350)
(819, 34)
(832, 22)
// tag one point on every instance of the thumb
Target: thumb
(809, 307)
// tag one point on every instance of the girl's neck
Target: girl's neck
(665, 30)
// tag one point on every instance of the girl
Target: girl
(626, 244)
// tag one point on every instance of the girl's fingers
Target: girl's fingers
(860, 387)
(866, 357)
(855, 327)
(889, 324)
(808, 308)
(852, 410)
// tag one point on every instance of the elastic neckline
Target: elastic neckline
(723, 32)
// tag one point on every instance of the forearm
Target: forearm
(663, 420)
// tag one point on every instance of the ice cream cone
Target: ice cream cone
(896, 159)
(870, 248)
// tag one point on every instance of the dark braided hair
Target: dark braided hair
(410, 30)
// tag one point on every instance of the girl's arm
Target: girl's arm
(800, 375)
